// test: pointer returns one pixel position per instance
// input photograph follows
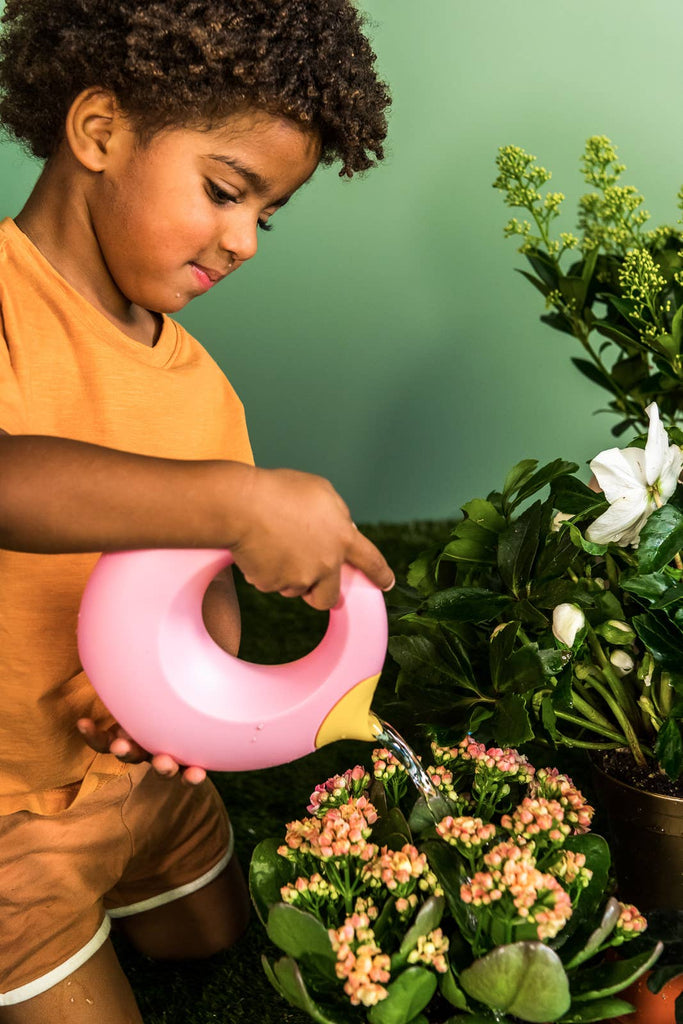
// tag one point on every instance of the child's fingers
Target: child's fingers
(370, 560)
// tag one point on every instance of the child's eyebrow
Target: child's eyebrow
(260, 184)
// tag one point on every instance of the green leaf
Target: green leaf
(612, 977)
(669, 748)
(510, 722)
(268, 872)
(594, 373)
(298, 933)
(485, 514)
(660, 539)
(419, 655)
(451, 872)
(518, 476)
(392, 830)
(472, 1018)
(662, 637)
(677, 328)
(543, 288)
(544, 266)
(523, 671)
(286, 978)
(466, 604)
(407, 996)
(587, 545)
(451, 991)
(671, 596)
(545, 475)
(651, 587)
(601, 1009)
(426, 920)
(468, 550)
(579, 939)
(549, 718)
(517, 548)
(526, 979)
(571, 495)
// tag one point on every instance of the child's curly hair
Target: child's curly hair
(192, 62)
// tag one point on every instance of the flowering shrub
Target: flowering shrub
(563, 621)
(623, 282)
(495, 911)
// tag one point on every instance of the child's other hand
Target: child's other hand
(116, 740)
(297, 534)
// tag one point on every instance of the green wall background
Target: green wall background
(381, 337)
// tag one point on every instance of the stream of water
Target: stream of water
(393, 741)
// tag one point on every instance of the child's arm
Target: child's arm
(288, 531)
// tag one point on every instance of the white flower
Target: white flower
(622, 662)
(635, 481)
(568, 619)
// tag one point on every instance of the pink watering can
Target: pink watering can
(145, 648)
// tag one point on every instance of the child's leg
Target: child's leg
(197, 925)
(97, 992)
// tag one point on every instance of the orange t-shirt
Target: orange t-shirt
(66, 371)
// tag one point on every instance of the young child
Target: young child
(171, 131)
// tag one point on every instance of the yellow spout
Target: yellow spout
(351, 717)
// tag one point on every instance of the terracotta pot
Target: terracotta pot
(647, 843)
(651, 1008)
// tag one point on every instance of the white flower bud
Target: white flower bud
(622, 662)
(568, 619)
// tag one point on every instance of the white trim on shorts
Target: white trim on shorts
(57, 974)
(182, 890)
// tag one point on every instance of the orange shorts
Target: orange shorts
(136, 842)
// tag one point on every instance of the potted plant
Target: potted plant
(498, 910)
(559, 619)
(615, 286)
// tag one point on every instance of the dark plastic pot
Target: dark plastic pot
(647, 843)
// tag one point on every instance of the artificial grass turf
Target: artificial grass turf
(231, 988)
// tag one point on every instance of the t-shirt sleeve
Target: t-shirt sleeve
(12, 406)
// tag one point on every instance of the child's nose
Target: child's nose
(239, 237)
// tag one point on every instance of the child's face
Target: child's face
(173, 217)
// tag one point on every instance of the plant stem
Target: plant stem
(621, 718)
(587, 724)
(587, 709)
(623, 698)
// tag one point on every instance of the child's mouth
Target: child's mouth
(206, 277)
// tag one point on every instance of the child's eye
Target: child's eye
(265, 226)
(219, 195)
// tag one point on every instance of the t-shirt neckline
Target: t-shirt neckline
(160, 354)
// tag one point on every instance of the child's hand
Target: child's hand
(116, 740)
(296, 535)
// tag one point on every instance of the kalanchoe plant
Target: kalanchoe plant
(558, 618)
(498, 911)
(617, 287)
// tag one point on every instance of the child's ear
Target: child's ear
(93, 120)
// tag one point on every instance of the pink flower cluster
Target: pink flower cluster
(442, 777)
(400, 871)
(550, 783)
(537, 898)
(385, 765)
(338, 789)
(537, 819)
(341, 832)
(431, 950)
(465, 832)
(304, 891)
(571, 869)
(360, 962)
(630, 923)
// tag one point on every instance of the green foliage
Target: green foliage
(481, 650)
(623, 283)
(526, 979)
